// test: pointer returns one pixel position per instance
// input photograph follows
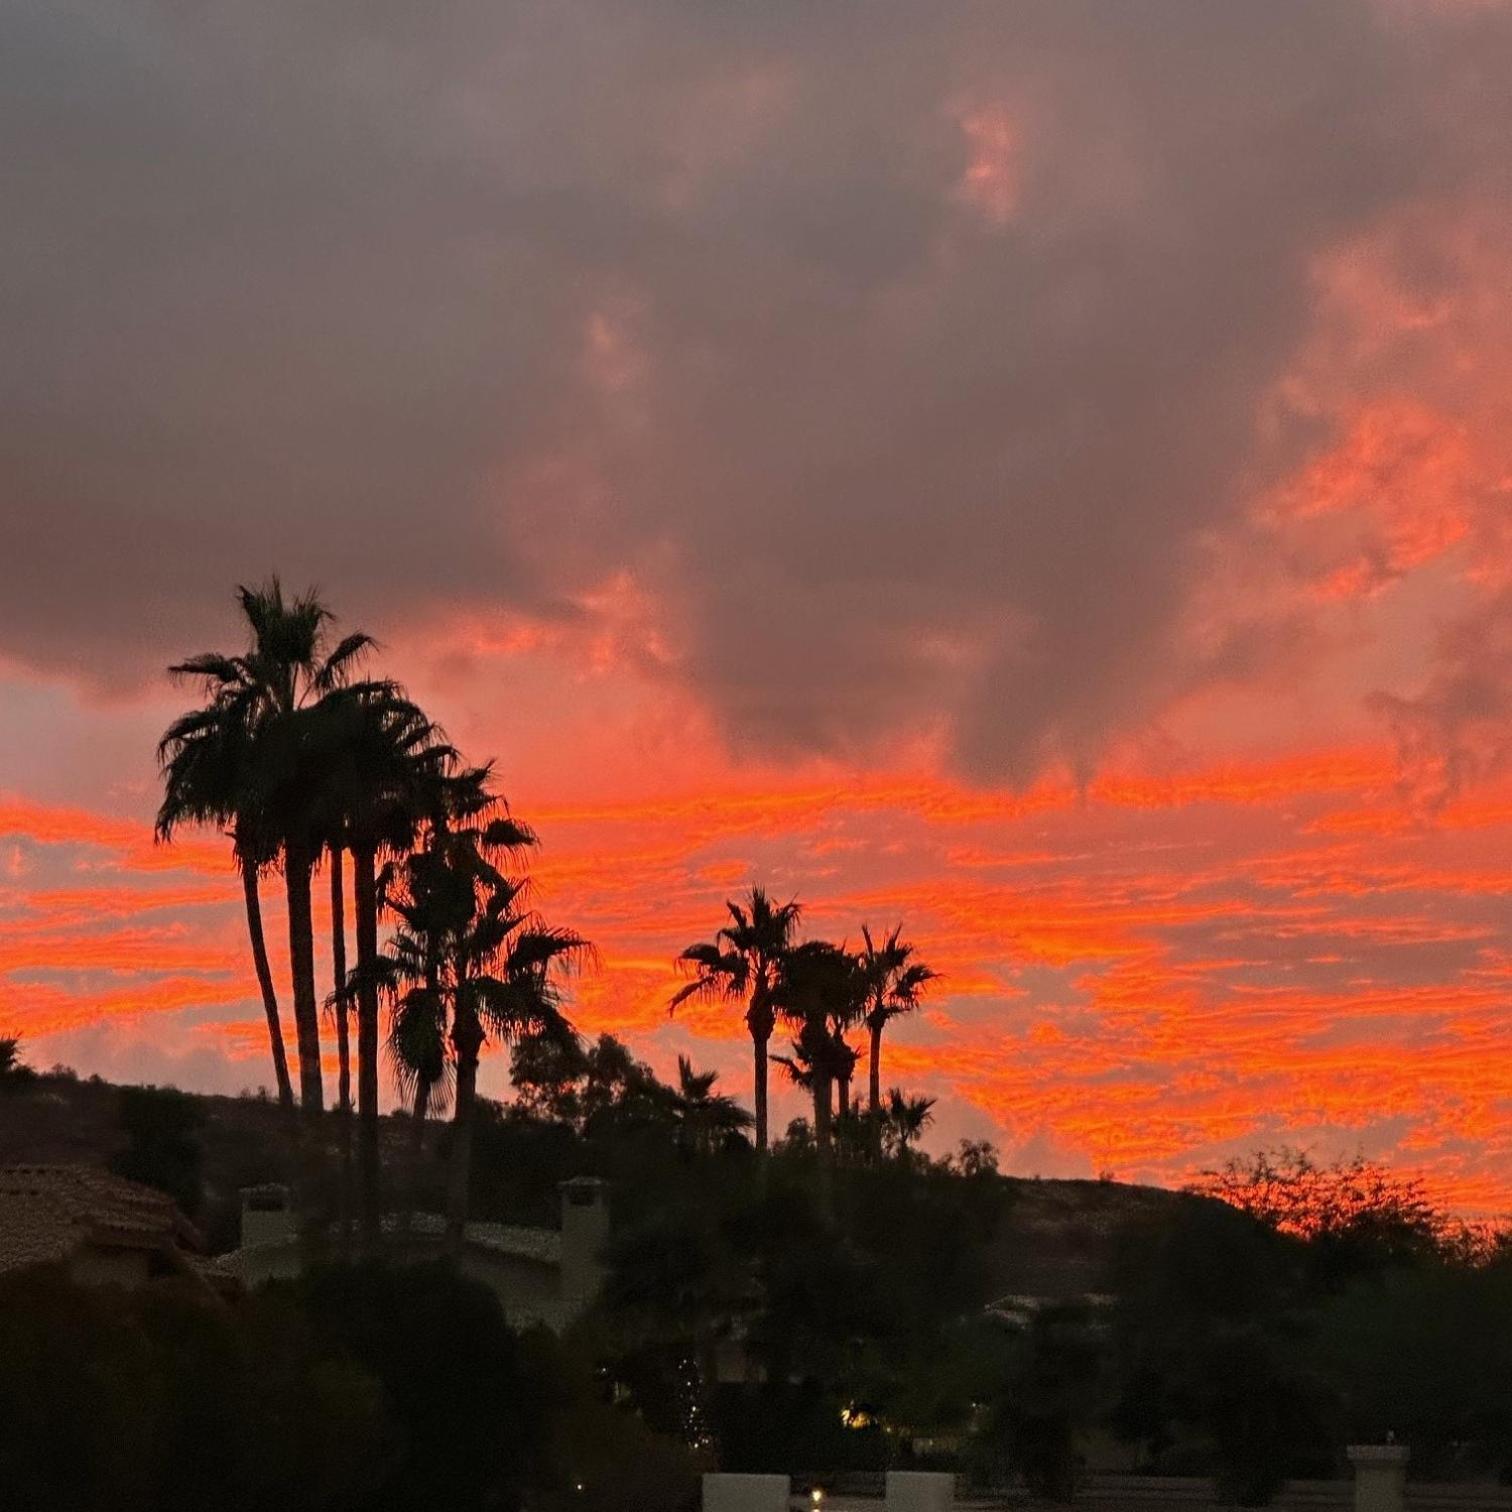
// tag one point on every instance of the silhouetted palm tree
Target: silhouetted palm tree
(743, 963)
(204, 758)
(384, 770)
(469, 963)
(820, 991)
(904, 1120)
(257, 720)
(895, 982)
(707, 1119)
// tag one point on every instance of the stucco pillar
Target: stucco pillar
(919, 1491)
(1380, 1477)
(746, 1493)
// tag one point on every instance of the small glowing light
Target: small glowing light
(817, 1495)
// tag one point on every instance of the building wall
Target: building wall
(529, 1290)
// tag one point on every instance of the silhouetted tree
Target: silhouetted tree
(206, 757)
(1211, 1342)
(743, 963)
(1357, 1215)
(1048, 1395)
(819, 989)
(163, 1149)
(707, 1119)
(246, 758)
(12, 1068)
(895, 982)
(904, 1120)
(384, 770)
(468, 957)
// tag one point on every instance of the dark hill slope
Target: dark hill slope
(1057, 1239)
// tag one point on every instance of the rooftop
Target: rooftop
(48, 1211)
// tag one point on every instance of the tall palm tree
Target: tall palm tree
(743, 962)
(469, 962)
(260, 703)
(895, 983)
(384, 768)
(203, 759)
(820, 991)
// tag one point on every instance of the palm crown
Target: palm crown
(894, 984)
(821, 991)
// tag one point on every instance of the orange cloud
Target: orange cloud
(1144, 975)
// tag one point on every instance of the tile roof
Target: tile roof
(540, 1244)
(49, 1211)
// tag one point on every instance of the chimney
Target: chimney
(585, 1227)
(267, 1215)
(1380, 1476)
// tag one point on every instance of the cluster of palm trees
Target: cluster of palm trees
(307, 763)
(304, 763)
(825, 993)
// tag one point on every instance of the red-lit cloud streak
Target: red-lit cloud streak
(1144, 976)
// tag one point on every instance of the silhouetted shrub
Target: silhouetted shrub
(163, 1148)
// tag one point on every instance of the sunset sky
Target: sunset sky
(1038, 471)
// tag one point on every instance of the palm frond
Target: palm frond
(336, 668)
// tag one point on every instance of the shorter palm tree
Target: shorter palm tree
(895, 983)
(707, 1120)
(820, 991)
(904, 1120)
(469, 964)
(743, 963)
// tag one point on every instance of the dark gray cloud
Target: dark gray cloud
(1456, 730)
(481, 307)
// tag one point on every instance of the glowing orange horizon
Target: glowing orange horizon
(1143, 975)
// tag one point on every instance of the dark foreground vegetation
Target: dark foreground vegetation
(757, 1317)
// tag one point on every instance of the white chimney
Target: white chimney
(585, 1228)
(267, 1215)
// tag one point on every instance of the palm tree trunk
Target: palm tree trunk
(824, 1139)
(418, 1111)
(343, 1041)
(760, 1042)
(467, 1037)
(823, 1111)
(365, 898)
(297, 868)
(875, 1069)
(338, 976)
(844, 1086)
(265, 984)
(874, 1089)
